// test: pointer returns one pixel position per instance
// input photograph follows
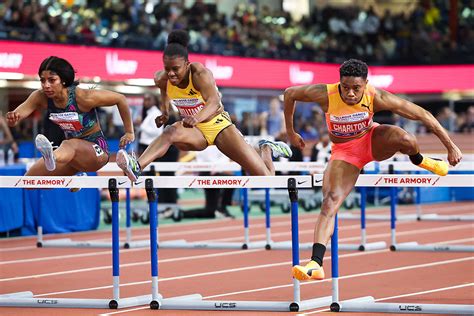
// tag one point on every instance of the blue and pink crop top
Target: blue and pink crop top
(72, 120)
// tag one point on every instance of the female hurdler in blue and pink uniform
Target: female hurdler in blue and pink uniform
(74, 110)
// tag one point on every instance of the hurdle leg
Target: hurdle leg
(393, 217)
(418, 203)
(336, 305)
(114, 197)
(363, 233)
(39, 236)
(128, 224)
(335, 261)
(151, 195)
(246, 218)
(267, 220)
(295, 249)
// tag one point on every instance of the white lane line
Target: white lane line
(370, 237)
(178, 232)
(284, 217)
(281, 220)
(418, 266)
(312, 219)
(18, 248)
(263, 266)
(109, 231)
(127, 265)
(364, 274)
(460, 286)
(80, 255)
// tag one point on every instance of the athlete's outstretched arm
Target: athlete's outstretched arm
(307, 93)
(386, 101)
(32, 103)
(97, 98)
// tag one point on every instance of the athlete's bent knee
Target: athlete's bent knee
(408, 141)
(170, 132)
(331, 202)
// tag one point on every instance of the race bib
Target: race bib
(98, 150)
(67, 121)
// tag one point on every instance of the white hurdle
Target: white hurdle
(183, 168)
(396, 181)
(268, 243)
(27, 299)
(406, 166)
(194, 301)
(291, 183)
(188, 302)
(223, 182)
(368, 304)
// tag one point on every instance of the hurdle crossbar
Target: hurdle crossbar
(368, 304)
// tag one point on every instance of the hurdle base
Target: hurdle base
(370, 306)
(68, 243)
(26, 299)
(155, 304)
(229, 305)
(408, 217)
(183, 244)
(286, 245)
(414, 246)
(447, 218)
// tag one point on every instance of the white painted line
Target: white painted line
(203, 274)
(357, 238)
(80, 255)
(18, 248)
(460, 286)
(425, 292)
(263, 266)
(418, 266)
(282, 220)
(127, 265)
(370, 237)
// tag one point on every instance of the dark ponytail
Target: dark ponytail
(178, 41)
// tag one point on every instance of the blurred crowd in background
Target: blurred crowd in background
(424, 35)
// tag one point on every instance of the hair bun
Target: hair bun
(179, 37)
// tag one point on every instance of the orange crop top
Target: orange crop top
(347, 121)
